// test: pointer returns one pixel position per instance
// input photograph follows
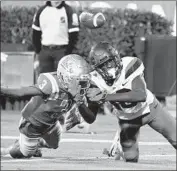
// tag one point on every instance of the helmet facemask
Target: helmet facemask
(84, 83)
(106, 60)
(110, 70)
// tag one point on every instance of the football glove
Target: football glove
(95, 94)
(75, 89)
(73, 118)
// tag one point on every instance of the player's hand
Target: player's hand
(36, 61)
(95, 94)
(75, 89)
(72, 119)
(92, 92)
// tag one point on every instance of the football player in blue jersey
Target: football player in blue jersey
(54, 95)
(120, 82)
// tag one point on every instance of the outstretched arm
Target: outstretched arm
(136, 94)
(89, 113)
(21, 92)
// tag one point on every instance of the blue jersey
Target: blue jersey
(55, 102)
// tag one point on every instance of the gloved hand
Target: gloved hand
(95, 94)
(74, 89)
(73, 118)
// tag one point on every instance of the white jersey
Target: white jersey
(132, 67)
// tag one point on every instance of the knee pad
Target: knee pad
(15, 151)
(54, 136)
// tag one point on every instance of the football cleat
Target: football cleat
(37, 153)
(92, 21)
(119, 154)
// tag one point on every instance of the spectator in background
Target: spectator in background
(55, 32)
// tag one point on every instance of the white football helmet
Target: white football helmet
(73, 67)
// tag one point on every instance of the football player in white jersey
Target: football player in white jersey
(54, 95)
(121, 82)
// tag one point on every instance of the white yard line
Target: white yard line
(81, 158)
(91, 141)
(23, 160)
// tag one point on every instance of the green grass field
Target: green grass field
(80, 151)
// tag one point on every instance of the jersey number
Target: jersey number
(43, 84)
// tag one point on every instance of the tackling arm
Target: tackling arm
(21, 92)
(137, 94)
(89, 113)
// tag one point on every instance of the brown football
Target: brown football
(92, 21)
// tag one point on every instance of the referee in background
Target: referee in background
(55, 33)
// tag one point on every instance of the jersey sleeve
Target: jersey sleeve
(36, 19)
(73, 19)
(134, 68)
(139, 83)
(44, 84)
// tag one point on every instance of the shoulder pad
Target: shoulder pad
(134, 67)
(47, 83)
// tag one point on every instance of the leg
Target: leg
(52, 138)
(6, 151)
(25, 147)
(57, 55)
(29, 137)
(13, 150)
(116, 148)
(163, 122)
(129, 139)
(46, 62)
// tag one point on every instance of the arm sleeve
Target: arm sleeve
(73, 38)
(139, 84)
(89, 113)
(36, 38)
(73, 19)
(36, 19)
(36, 34)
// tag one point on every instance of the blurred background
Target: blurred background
(144, 29)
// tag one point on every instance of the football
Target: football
(92, 21)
